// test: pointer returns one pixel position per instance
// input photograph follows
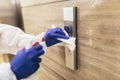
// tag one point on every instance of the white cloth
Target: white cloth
(70, 43)
(13, 39)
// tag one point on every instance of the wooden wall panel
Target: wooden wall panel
(7, 12)
(9, 20)
(45, 73)
(25, 3)
(51, 75)
(98, 38)
(6, 8)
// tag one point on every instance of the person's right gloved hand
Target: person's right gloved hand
(26, 62)
(52, 34)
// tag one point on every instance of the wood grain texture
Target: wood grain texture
(26, 3)
(6, 8)
(45, 73)
(51, 75)
(98, 38)
(1, 58)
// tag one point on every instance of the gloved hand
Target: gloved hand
(52, 34)
(26, 62)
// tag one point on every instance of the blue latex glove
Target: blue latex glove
(26, 62)
(52, 34)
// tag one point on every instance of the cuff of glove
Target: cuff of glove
(6, 73)
(44, 46)
(40, 39)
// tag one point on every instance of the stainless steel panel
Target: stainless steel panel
(70, 25)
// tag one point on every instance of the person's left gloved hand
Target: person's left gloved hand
(26, 62)
(52, 34)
